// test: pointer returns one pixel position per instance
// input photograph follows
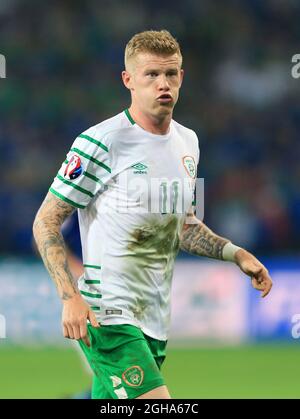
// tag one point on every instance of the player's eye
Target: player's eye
(152, 74)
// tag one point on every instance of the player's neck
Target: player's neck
(159, 126)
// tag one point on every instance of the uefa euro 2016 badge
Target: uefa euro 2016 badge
(74, 168)
(189, 165)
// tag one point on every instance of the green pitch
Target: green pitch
(247, 372)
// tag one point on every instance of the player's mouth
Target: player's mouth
(165, 98)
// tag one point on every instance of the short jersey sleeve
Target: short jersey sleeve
(196, 154)
(85, 171)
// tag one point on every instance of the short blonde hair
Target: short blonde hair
(155, 42)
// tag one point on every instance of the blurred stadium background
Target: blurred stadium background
(64, 60)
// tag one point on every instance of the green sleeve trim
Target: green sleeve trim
(92, 281)
(73, 185)
(129, 117)
(89, 294)
(91, 266)
(74, 204)
(95, 308)
(92, 159)
(94, 178)
(92, 140)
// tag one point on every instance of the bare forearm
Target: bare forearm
(199, 240)
(50, 243)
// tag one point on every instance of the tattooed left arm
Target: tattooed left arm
(198, 239)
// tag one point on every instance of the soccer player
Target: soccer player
(132, 179)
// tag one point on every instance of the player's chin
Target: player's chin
(169, 104)
(165, 108)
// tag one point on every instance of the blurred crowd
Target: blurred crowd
(64, 60)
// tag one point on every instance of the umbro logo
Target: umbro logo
(140, 168)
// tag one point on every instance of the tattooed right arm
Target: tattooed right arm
(50, 243)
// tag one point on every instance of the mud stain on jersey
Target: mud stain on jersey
(158, 236)
(152, 250)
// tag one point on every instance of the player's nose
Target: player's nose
(163, 83)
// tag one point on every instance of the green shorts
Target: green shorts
(126, 362)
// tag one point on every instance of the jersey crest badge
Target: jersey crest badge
(133, 376)
(74, 168)
(190, 166)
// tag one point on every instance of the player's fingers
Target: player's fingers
(65, 331)
(262, 284)
(86, 340)
(266, 281)
(252, 268)
(258, 285)
(76, 331)
(257, 270)
(83, 334)
(93, 319)
(70, 331)
(267, 289)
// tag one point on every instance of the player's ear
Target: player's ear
(181, 76)
(127, 80)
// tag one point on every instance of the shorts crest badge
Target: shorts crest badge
(133, 376)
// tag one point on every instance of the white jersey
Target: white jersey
(132, 189)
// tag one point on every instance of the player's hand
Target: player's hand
(260, 277)
(74, 319)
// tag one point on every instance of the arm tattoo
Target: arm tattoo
(50, 243)
(199, 240)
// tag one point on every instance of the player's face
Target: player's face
(155, 82)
